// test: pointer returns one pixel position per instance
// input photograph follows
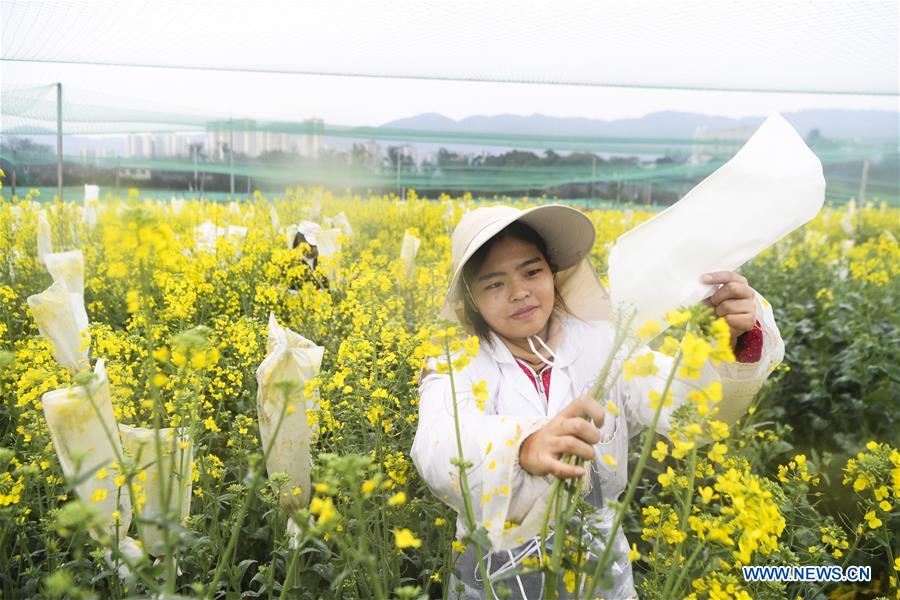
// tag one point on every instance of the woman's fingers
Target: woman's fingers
(741, 322)
(735, 307)
(584, 406)
(568, 433)
(722, 277)
(568, 444)
(730, 291)
(563, 470)
(582, 429)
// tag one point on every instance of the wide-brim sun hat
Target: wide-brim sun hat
(569, 235)
(310, 231)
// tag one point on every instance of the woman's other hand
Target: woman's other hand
(735, 301)
(568, 433)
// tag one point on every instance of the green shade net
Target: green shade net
(643, 169)
(830, 48)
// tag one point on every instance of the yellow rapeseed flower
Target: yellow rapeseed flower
(662, 450)
(677, 318)
(404, 538)
(648, 330)
(640, 366)
(397, 499)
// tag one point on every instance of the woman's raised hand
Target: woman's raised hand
(734, 301)
(569, 432)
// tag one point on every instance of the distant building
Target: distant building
(248, 139)
(374, 153)
(137, 145)
(173, 144)
(158, 145)
(311, 139)
(410, 151)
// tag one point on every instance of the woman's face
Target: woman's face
(514, 289)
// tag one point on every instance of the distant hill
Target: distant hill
(831, 123)
(835, 124)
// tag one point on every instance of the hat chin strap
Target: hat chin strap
(549, 363)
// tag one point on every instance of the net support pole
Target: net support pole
(862, 194)
(231, 159)
(59, 149)
(863, 181)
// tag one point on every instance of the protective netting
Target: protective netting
(824, 47)
(644, 169)
(839, 48)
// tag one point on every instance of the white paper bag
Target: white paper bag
(89, 210)
(328, 247)
(276, 222)
(139, 444)
(772, 186)
(291, 360)
(176, 205)
(84, 434)
(205, 235)
(408, 251)
(91, 193)
(44, 242)
(68, 267)
(341, 221)
(56, 320)
(290, 232)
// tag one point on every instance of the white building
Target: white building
(158, 145)
(173, 144)
(311, 140)
(137, 145)
(247, 139)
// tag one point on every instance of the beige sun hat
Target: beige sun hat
(569, 235)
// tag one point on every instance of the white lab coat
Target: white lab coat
(501, 490)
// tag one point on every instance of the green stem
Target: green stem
(683, 571)
(245, 505)
(686, 503)
(561, 521)
(374, 580)
(463, 479)
(633, 483)
(289, 576)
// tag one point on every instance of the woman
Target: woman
(307, 233)
(524, 284)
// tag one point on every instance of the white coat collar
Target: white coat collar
(569, 350)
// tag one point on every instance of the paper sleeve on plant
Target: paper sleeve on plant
(86, 440)
(285, 409)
